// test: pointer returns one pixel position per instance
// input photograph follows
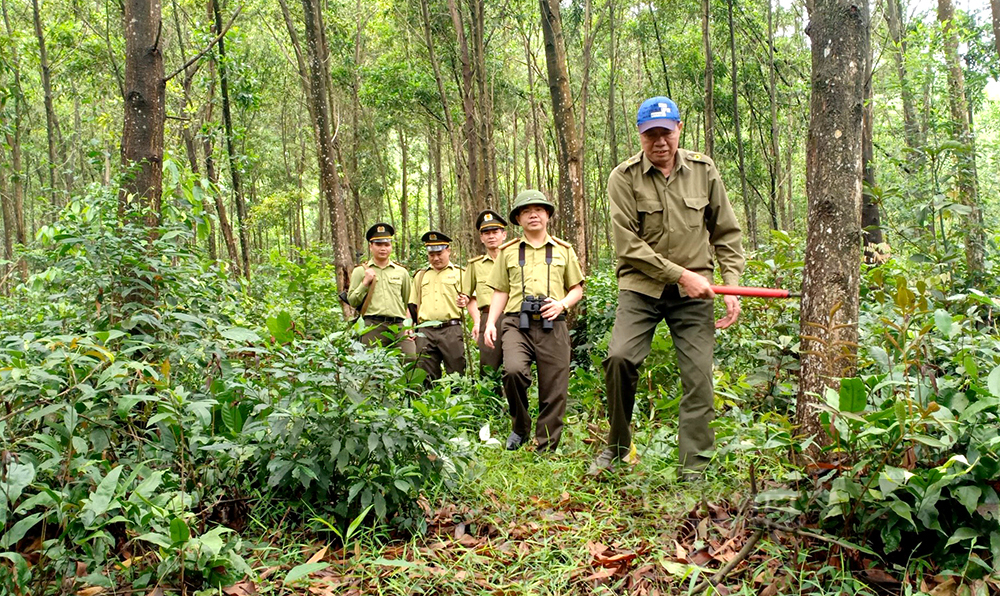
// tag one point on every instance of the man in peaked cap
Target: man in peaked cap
(380, 289)
(492, 232)
(535, 280)
(672, 221)
(436, 303)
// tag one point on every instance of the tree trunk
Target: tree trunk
(871, 220)
(325, 151)
(50, 113)
(613, 60)
(234, 166)
(995, 9)
(438, 179)
(706, 28)
(469, 108)
(772, 93)
(145, 91)
(748, 205)
(567, 142)
(404, 199)
(911, 128)
(659, 47)
(961, 131)
(13, 132)
(829, 315)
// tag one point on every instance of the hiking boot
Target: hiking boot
(514, 441)
(605, 461)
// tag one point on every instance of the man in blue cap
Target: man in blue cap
(672, 221)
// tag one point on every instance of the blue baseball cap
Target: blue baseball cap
(656, 112)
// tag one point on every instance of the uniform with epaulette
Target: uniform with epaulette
(529, 274)
(664, 225)
(382, 303)
(476, 287)
(434, 298)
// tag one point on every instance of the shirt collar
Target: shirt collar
(680, 161)
(548, 240)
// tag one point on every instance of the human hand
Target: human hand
(475, 330)
(490, 335)
(369, 277)
(732, 312)
(552, 308)
(462, 301)
(695, 286)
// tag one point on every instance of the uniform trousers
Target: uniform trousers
(384, 335)
(492, 357)
(437, 346)
(550, 350)
(692, 327)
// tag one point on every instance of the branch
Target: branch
(721, 573)
(200, 54)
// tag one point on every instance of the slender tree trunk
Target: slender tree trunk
(871, 220)
(404, 199)
(748, 204)
(50, 113)
(911, 128)
(572, 202)
(7, 210)
(13, 132)
(145, 92)
(438, 179)
(469, 131)
(829, 328)
(659, 46)
(995, 10)
(612, 71)
(325, 150)
(966, 159)
(772, 92)
(234, 166)
(706, 28)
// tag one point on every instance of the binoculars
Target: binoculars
(531, 307)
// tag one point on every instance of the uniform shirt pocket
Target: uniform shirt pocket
(694, 211)
(650, 212)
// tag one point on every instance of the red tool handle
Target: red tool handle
(757, 292)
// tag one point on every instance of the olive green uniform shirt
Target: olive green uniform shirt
(392, 290)
(663, 225)
(540, 279)
(435, 293)
(476, 278)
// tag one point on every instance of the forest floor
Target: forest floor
(531, 523)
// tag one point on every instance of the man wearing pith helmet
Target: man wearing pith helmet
(380, 289)
(436, 303)
(672, 222)
(492, 232)
(535, 280)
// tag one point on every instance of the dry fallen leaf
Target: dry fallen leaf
(602, 574)
(90, 591)
(316, 558)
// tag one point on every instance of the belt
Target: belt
(561, 317)
(448, 323)
(381, 319)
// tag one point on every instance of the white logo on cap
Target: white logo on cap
(662, 112)
(381, 228)
(488, 217)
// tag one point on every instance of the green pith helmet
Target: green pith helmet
(530, 197)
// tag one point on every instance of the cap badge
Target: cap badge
(434, 237)
(488, 217)
(381, 228)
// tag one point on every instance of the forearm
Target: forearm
(496, 307)
(473, 308)
(573, 297)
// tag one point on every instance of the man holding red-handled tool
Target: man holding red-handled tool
(672, 221)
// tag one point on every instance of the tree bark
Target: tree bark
(50, 113)
(829, 315)
(404, 199)
(748, 205)
(567, 142)
(13, 132)
(911, 128)
(995, 10)
(325, 150)
(469, 131)
(772, 94)
(145, 92)
(613, 60)
(234, 166)
(871, 219)
(961, 131)
(706, 28)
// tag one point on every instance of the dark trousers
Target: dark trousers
(383, 335)
(490, 359)
(440, 346)
(550, 350)
(692, 327)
